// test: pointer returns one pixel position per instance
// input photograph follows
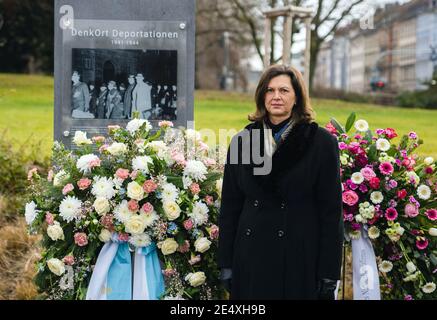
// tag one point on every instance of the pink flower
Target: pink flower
(331, 128)
(379, 131)
(431, 214)
(350, 197)
(107, 222)
(98, 139)
(194, 260)
(147, 207)
(168, 272)
(68, 260)
(203, 146)
(214, 232)
(123, 236)
(165, 124)
(133, 205)
(31, 173)
(374, 183)
(422, 243)
(391, 214)
(408, 297)
(188, 224)
(80, 239)
(386, 168)
(178, 158)
(390, 133)
(122, 173)
(355, 226)
(194, 188)
(185, 247)
(134, 174)
(49, 218)
(149, 186)
(363, 188)
(50, 176)
(95, 163)
(342, 145)
(368, 173)
(412, 135)
(411, 210)
(103, 148)
(357, 137)
(429, 170)
(209, 200)
(209, 162)
(84, 183)
(354, 147)
(113, 128)
(68, 188)
(401, 194)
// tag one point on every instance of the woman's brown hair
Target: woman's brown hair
(301, 112)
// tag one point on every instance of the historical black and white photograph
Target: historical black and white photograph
(123, 84)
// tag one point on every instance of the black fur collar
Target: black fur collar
(288, 153)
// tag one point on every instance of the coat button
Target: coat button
(248, 232)
(280, 233)
(255, 203)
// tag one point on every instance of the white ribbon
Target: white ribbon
(365, 270)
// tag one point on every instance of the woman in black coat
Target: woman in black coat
(281, 223)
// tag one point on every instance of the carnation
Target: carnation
(122, 173)
(429, 287)
(376, 197)
(31, 212)
(135, 124)
(122, 212)
(373, 232)
(84, 183)
(368, 173)
(357, 178)
(431, 214)
(350, 197)
(103, 187)
(80, 239)
(385, 266)
(391, 214)
(424, 192)
(361, 125)
(386, 168)
(195, 170)
(70, 208)
(149, 186)
(85, 163)
(382, 144)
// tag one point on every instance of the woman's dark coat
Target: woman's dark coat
(282, 232)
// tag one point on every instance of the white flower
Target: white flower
(192, 135)
(122, 212)
(411, 267)
(361, 125)
(172, 210)
(159, 147)
(429, 287)
(357, 178)
(55, 231)
(85, 163)
(60, 178)
(101, 205)
(376, 197)
(428, 161)
(117, 149)
(411, 175)
(219, 186)
(70, 208)
(141, 163)
(135, 224)
(118, 182)
(149, 218)
(199, 213)
(135, 124)
(373, 232)
(424, 192)
(105, 235)
(195, 170)
(140, 240)
(169, 246)
(385, 266)
(187, 182)
(432, 232)
(80, 138)
(103, 187)
(202, 244)
(169, 192)
(173, 298)
(382, 144)
(135, 191)
(355, 234)
(56, 266)
(31, 212)
(196, 279)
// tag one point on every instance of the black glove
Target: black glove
(226, 278)
(326, 289)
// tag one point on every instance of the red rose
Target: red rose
(374, 183)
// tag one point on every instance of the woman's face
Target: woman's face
(279, 98)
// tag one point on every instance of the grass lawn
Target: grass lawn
(26, 113)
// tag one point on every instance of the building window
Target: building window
(87, 63)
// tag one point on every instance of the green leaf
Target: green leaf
(350, 121)
(337, 126)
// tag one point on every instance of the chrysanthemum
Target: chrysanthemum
(149, 218)
(382, 144)
(429, 287)
(373, 232)
(122, 212)
(31, 212)
(103, 187)
(199, 213)
(376, 197)
(391, 214)
(86, 162)
(386, 168)
(169, 192)
(424, 192)
(140, 240)
(135, 124)
(195, 170)
(385, 266)
(70, 208)
(141, 163)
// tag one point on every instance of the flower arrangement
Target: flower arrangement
(139, 188)
(389, 195)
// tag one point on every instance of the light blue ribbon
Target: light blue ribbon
(119, 280)
(155, 280)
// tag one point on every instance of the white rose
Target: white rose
(135, 225)
(172, 210)
(429, 161)
(361, 125)
(432, 232)
(105, 235)
(135, 191)
(56, 266)
(55, 232)
(196, 279)
(411, 267)
(117, 148)
(60, 177)
(169, 246)
(202, 244)
(101, 205)
(80, 138)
